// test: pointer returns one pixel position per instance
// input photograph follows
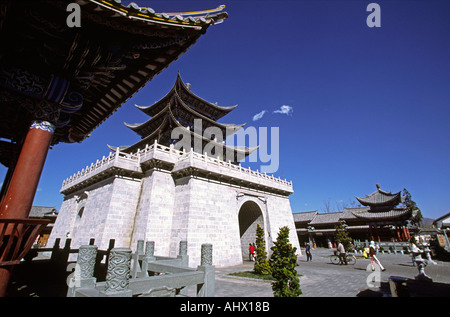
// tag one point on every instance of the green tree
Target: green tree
(416, 216)
(283, 262)
(262, 265)
(342, 235)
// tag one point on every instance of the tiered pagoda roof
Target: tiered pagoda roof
(381, 198)
(179, 109)
(378, 207)
(382, 205)
(117, 49)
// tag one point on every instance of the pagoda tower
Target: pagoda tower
(194, 119)
(382, 210)
(180, 182)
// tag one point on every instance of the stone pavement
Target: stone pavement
(320, 278)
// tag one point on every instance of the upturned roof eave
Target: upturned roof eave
(150, 110)
(395, 199)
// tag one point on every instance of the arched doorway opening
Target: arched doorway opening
(250, 216)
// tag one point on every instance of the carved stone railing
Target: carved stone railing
(131, 163)
(107, 165)
(143, 274)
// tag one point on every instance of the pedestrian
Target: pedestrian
(330, 246)
(341, 253)
(251, 251)
(415, 251)
(254, 252)
(373, 257)
(308, 253)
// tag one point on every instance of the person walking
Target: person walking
(373, 257)
(341, 253)
(308, 253)
(251, 252)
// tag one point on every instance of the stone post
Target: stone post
(184, 261)
(207, 289)
(149, 249)
(140, 247)
(182, 254)
(148, 257)
(84, 270)
(118, 275)
(136, 270)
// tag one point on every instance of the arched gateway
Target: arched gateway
(151, 191)
(250, 215)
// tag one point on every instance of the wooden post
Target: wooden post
(25, 179)
(22, 187)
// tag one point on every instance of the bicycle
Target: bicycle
(351, 259)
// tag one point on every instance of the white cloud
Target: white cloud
(258, 115)
(284, 109)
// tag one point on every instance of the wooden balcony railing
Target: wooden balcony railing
(17, 237)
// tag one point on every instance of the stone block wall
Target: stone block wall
(206, 212)
(154, 214)
(186, 197)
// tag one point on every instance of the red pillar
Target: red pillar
(19, 196)
(25, 179)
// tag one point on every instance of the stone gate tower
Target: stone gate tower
(155, 190)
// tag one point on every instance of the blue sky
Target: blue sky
(367, 105)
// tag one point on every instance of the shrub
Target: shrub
(262, 266)
(283, 262)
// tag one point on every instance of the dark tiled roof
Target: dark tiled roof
(41, 212)
(381, 198)
(326, 218)
(304, 216)
(399, 214)
(348, 212)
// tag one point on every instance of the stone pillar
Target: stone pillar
(206, 255)
(182, 254)
(183, 248)
(84, 269)
(148, 257)
(118, 275)
(207, 289)
(149, 251)
(140, 247)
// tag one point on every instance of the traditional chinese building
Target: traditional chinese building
(59, 81)
(195, 119)
(154, 191)
(380, 218)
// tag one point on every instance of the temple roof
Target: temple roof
(304, 216)
(205, 108)
(381, 198)
(351, 214)
(397, 214)
(115, 52)
(179, 109)
(181, 112)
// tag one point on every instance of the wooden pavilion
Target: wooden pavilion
(380, 218)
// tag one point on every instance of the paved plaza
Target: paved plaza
(321, 278)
